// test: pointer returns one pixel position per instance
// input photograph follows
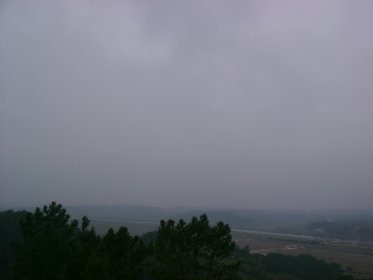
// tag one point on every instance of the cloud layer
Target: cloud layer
(187, 103)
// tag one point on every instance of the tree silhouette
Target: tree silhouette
(53, 247)
(194, 251)
(123, 255)
(48, 245)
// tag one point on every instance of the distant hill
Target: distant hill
(347, 224)
(124, 212)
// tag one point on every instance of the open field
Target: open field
(355, 257)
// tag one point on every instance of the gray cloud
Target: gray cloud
(187, 103)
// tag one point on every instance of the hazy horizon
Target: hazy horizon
(246, 104)
(196, 208)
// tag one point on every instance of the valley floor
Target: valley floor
(355, 257)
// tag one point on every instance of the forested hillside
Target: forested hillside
(47, 244)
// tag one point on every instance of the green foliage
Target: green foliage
(194, 250)
(48, 245)
(88, 263)
(277, 266)
(51, 246)
(123, 254)
(9, 232)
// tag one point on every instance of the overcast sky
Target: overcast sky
(244, 104)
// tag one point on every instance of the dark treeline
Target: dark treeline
(47, 244)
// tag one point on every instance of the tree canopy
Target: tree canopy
(50, 245)
(195, 250)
